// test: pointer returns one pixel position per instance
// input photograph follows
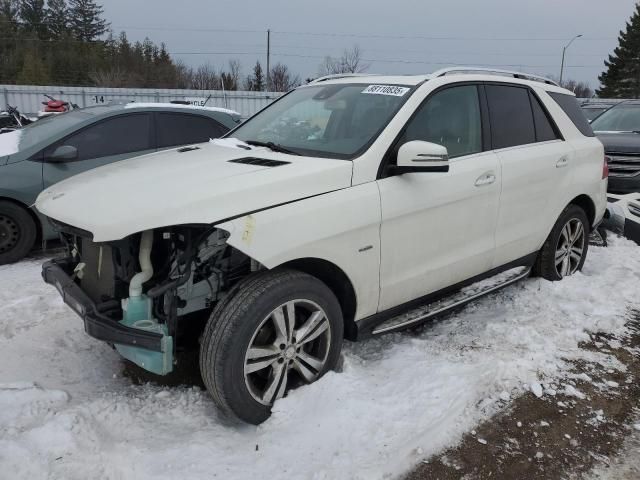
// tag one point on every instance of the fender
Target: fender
(341, 227)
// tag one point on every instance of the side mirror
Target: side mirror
(64, 153)
(419, 156)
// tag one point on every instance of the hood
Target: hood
(202, 184)
(622, 142)
(9, 144)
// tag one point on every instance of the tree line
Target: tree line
(68, 42)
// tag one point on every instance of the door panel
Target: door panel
(535, 164)
(534, 179)
(437, 228)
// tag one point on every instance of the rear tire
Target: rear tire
(17, 232)
(278, 330)
(565, 250)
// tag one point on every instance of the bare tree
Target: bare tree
(184, 75)
(281, 79)
(350, 62)
(581, 89)
(231, 80)
(113, 77)
(205, 78)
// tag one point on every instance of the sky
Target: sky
(399, 36)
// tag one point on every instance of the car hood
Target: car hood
(9, 144)
(194, 185)
(620, 142)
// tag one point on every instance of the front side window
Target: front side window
(114, 136)
(182, 129)
(450, 118)
(511, 116)
(333, 121)
(623, 118)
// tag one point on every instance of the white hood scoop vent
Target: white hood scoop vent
(263, 162)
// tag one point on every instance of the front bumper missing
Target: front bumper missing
(58, 273)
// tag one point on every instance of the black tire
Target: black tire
(598, 238)
(17, 232)
(237, 321)
(545, 265)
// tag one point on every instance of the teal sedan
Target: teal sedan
(58, 147)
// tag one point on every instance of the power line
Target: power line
(309, 47)
(383, 60)
(329, 34)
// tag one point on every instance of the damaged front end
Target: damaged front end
(148, 294)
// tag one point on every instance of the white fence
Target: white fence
(29, 98)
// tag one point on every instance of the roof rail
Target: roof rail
(470, 70)
(337, 76)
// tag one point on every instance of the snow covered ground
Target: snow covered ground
(66, 411)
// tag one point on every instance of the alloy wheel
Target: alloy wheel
(570, 248)
(289, 348)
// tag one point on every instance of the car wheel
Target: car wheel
(565, 250)
(279, 330)
(17, 232)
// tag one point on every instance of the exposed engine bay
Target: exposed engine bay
(165, 281)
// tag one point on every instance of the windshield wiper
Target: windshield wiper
(273, 146)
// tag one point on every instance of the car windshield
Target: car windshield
(332, 121)
(623, 118)
(592, 112)
(48, 127)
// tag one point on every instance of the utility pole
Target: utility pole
(266, 87)
(563, 52)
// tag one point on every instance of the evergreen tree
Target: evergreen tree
(257, 81)
(33, 16)
(622, 77)
(86, 20)
(34, 71)
(57, 15)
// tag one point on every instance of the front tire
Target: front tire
(17, 232)
(565, 250)
(279, 330)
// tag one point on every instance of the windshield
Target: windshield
(623, 118)
(592, 112)
(333, 121)
(50, 126)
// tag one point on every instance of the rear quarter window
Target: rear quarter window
(569, 105)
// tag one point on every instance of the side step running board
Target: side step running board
(457, 299)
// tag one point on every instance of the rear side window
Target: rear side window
(545, 130)
(179, 129)
(570, 106)
(511, 116)
(115, 136)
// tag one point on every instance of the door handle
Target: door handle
(563, 162)
(485, 179)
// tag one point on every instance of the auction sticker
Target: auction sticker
(386, 90)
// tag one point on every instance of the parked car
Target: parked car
(350, 207)
(619, 130)
(63, 145)
(591, 110)
(624, 215)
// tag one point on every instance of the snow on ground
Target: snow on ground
(67, 413)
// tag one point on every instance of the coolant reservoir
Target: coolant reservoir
(138, 314)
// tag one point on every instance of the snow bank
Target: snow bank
(9, 143)
(399, 398)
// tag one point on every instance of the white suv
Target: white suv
(351, 206)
